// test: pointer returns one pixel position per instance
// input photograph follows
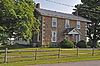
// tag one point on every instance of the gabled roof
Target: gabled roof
(61, 15)
(68, 30)
(72, 31)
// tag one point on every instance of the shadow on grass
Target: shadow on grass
(1, 62)
(15, 46)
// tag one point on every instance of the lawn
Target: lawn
(45, 60)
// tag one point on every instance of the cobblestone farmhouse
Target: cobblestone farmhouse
(57, 26)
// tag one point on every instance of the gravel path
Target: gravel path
(82, 63)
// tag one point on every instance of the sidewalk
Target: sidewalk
(82, 63)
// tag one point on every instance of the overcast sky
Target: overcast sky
(44, 4)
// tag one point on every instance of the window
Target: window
(67, 24)
(54, 22)
(78, 25)
(66, 37)
(77, 38)
(53, 36)
(38, 36)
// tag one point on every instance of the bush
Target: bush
(82, 44)
(53, 46)
(98, 45)
(66, 44)
(91, 44)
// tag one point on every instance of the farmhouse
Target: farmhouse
(57, 26)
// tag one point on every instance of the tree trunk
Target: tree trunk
(94, 43)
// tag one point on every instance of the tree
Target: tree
(3, 37)
(17, 18)
(90, 9)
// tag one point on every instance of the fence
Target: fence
(35, 51)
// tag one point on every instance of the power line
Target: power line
(69, 5)
(59, 3)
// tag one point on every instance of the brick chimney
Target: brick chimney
(76, 12)
(38, 5)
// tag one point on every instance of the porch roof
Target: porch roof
(72, 31)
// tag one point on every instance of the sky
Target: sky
(46, 4)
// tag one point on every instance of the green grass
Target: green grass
(45, 60)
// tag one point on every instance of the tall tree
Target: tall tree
(90, 9)
(17, 18)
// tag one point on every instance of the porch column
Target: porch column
(74, 38)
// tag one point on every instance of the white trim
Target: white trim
(53, 22)
(38, 36)
(55, 36)
(67, 22)
(78, 31)
(42, 21)
(78, 23)
(79, 37)
(73, 32)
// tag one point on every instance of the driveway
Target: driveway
(82, 63)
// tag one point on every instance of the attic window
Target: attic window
(73, 31)
(54, 22)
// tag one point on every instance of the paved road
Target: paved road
(83, 63)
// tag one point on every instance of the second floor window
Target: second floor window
(78, 25)
(54, 22)
(67, 24)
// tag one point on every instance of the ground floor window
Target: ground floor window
(54, 36)
(77, 38)
(38, 36)
(66, 37)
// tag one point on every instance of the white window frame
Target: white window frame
(38, 36)
(78, 25)
(67, 24)
(53, 36)
(54, 20)
(67, 37)
(77, 38)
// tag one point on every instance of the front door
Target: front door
(77, 38)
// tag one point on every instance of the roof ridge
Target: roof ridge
(62, 15)
(55, 11)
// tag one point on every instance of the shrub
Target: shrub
(53, 46)
(66, 44)
(91, 44)
(98, 45)
(82, 44)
